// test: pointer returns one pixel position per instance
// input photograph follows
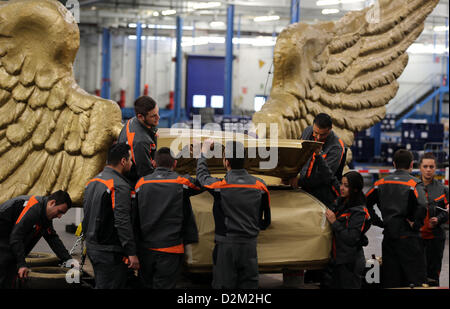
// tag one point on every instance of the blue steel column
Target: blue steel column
(106, 64)
(229, 61)
(178, 63)
(376, 134)
(295, 11)
(137, 85)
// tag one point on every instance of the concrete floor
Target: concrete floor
(267, 281)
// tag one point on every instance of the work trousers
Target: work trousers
(349, 275)
(235, 266)
(434, 252)
(403, 262)
(110, 270)
(160, 270)
(8, 269)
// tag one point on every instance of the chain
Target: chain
(77, 242)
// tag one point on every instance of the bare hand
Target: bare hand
(134, 262)
(23, 272)
(293, 182)
(207, 145)
(433, 222)
(331, 217)
(410, 223)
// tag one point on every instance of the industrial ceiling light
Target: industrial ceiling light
(334, 2)
(156, 14)
(217, 24)
(132, 25)
(440, 28)
(168, 12)
(266, 18)
(329, 11)
(205, 5)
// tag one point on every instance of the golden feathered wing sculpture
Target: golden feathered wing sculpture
(53, 135)
(347, 69)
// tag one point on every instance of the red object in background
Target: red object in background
(444, 81)
(97, 92)
(146, 89)
(171, 100)
(122, 98)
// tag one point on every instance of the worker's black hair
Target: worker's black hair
(427, 155)
(143, 105)
(355, 185)
(234, 152)
(117, 152)
(402, 159)
(323, 121)
(61, 197)
(164, 158)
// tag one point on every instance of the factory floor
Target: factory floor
(267, 281)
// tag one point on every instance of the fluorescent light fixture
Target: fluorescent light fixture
(217, 101)
(132, 25)
(329, 11)
(199, 101)
(168, 12)
(440, 28)
(334, 2)
(217, 24)
(266, 18)
(258, 102)
(205, 5)
(156, 14)
(143, 26)
(419, 48)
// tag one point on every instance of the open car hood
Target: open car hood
(282, 158)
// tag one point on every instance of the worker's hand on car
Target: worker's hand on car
(134, 262)
(206, 146)
(293, 182)
(23, 272)
(433, 222)
(331, 217)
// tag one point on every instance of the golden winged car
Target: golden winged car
(299, 236)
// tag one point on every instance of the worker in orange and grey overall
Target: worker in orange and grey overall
(107, 223)
(432, 232)
(349, 221)
(23, 221)
(321, 174)
(166, 221)
(402, 203)
(241, 209)
(140, 133)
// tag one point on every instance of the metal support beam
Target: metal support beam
(376, 134)
(178, 69)
(229, 61)
(295, 11)
(106, 64)
(137, 86)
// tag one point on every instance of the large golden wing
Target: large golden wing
(53, 135)
(348, 69)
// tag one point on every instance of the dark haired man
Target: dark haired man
(432, 232)
(140, 133)
(107, 223)
(23, 221)
(166, 221)
(402, 203)
(241, 209)
(320, 175)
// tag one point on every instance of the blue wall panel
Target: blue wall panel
(205, 75)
